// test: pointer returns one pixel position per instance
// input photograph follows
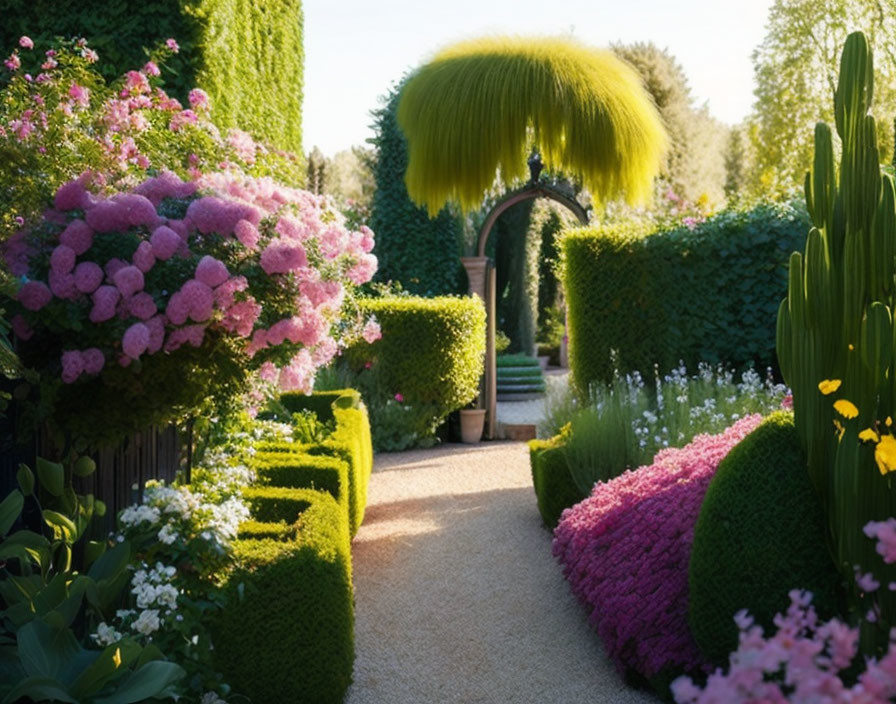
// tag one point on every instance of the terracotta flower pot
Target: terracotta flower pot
(472, 422)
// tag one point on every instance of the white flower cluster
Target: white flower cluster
(139, 513)
(152, 587)
(105, 635)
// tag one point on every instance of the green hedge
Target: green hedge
(760, 533)
(320, 402)
(420, 252)
(300, 470)
(555, 489)
(709, 294)
(287, 633)
(431, 351)
(271, 504)
(259, 530)
(246, 54)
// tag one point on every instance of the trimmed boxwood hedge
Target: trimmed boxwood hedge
(760, 533)
(271, 504)
(707, 294)
(287, 634)
(320, 402)
(431, 352)
(246, 54)
(554, 486)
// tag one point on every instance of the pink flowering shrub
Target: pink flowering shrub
(625, 552)
(60, 118)
(805, 660)
(156, 302)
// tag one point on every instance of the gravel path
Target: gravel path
(458, 599)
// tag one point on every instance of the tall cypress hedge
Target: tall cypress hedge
(707, 294)
(246, 54)
(421, 253)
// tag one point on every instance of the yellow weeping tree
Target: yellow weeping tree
(478, 107)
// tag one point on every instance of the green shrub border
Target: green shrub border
(555, 489)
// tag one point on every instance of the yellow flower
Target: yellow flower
(851, 348)
(869, 434)
(889, 421)
(840, 429)
(846, 408)
(116, 658)
(829, 386)
(885, 454)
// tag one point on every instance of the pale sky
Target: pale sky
(355, 49)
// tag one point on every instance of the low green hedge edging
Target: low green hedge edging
(555, 489)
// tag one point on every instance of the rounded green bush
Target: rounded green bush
(761, 533)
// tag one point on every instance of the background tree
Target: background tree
(317, 169)
(694, 167)
(796, 71)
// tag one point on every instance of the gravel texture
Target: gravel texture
(458, 598)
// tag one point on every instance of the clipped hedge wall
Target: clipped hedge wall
(246, 54)
(709, 294)
(320, 402)
(287, 634)
(420, 252)
(761, 533)
(431, 352)
(554, 486)
(273, 504)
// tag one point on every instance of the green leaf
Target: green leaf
(44, 651)
(111, 563)
(39, 689)
(10, 510)
(93, 551)
(62, 525)
(103, 668)
(149, 681)
(25, 477)
(51, 476)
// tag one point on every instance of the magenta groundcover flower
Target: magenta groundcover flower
(625, 552)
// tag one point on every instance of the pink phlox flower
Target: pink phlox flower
(135, 83)
(20, 327)
(885, 533)
(242, 144)
(117, 115)
(399, 398)
(268, 372)
(172, 45)
(151, 69)
(181, 119)
(105, 301)
(165, 185)
(212, 272)
(34, 295)
(371, 331)
(129, 280)
(164, 242)
(78, 236)
(62, 259)
(866, 582)
(72, 366)
(298, 375)
(93, 359)
(25, 42)
(212, 214)
(199, 300)
(363, 271)
(80, 95)
(143, 258)
(13, 62)
(324, 352)
(135, 340)
(198, 99)
(113, 266)
(366, 239)
(259, 342)
(291, 228)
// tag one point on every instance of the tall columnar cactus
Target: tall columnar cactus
(836, 324)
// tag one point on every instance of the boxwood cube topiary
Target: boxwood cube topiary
(761, 533)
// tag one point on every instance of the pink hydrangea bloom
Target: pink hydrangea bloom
(88, 277)
(135, 340)
(363, 271)
(178, 308)
(164, 242)
(165, 185)
(34, 295)
(258, 342)
(243, 144)
(282, 257)
(93, 360)
(113, 266)
(105, 300)
(62, 259)
(213, 214)
(106, 216)
(192, 335)
(199, 300)
(80, 95)
(268, 372)
(198, 99)
(78, 236)
(143, 257)
(324, 352)
(247, 234)
(62, 285)
(142, 306)
(224, 294)
(366, 239)
(72, 366)
(327, 295)
(21, 328)
(371, 332)
(298, 375)
(211, 271)
(129, 280)
(72, 196)
(25, 42)
(241, 316)
(156, 327)
(625, 552)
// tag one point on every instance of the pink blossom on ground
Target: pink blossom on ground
(371, 332)
(178, 309)
(156, 327)
(143, 258)
(21, 328)
(625, 551)
(62, 259)
(282, 257)
(62, 285)
(135, 340)
(93, 360)
(211, 271)
(88, 277)
(78, 236)
(105, 300)
(199, 300)
(247, 234)
(72, 366)
(164, 242)
(72, 196)
(34, 295)
(142, 306)
(129, 280)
